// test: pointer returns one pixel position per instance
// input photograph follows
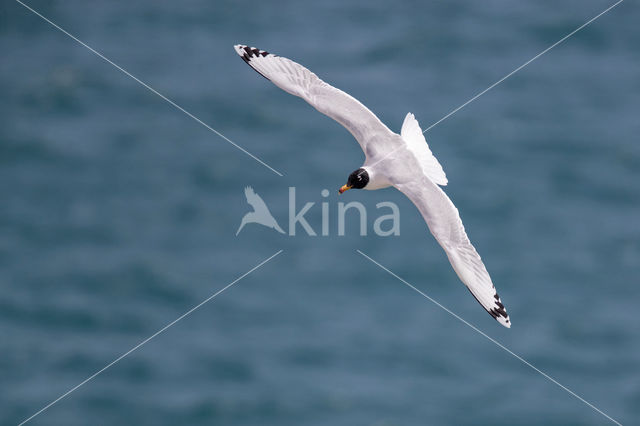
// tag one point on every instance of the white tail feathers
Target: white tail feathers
(412, 134)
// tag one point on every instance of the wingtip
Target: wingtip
(505, 322)
(499, 312)
(249, 53)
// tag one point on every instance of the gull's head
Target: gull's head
(358, 180)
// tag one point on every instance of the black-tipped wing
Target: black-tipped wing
(295, 79)
(445, 224)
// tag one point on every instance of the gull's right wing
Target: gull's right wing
(342, 107)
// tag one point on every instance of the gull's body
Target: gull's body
(401, 160)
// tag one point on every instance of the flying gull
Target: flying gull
(403, 161)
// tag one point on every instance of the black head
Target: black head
(358, 179)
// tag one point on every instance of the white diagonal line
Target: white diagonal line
(500, 345)
(151, 88)
(523, 65)
(149, 338)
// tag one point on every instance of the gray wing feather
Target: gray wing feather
(445, 224)
(297, 80)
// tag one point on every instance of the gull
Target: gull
(260, 214)
(403, 161)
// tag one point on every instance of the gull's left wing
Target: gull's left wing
(446, 226)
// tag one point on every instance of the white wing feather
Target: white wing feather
(416, 143)
(342, 107)
(445, 224)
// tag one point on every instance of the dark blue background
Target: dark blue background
(118, 213)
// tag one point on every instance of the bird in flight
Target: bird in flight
(260, 214)
(403, 161)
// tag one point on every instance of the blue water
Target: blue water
(118, 214)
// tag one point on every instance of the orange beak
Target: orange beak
(344, 188)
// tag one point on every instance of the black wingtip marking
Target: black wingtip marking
(251, 53)
(495, 312)
(499, 310)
